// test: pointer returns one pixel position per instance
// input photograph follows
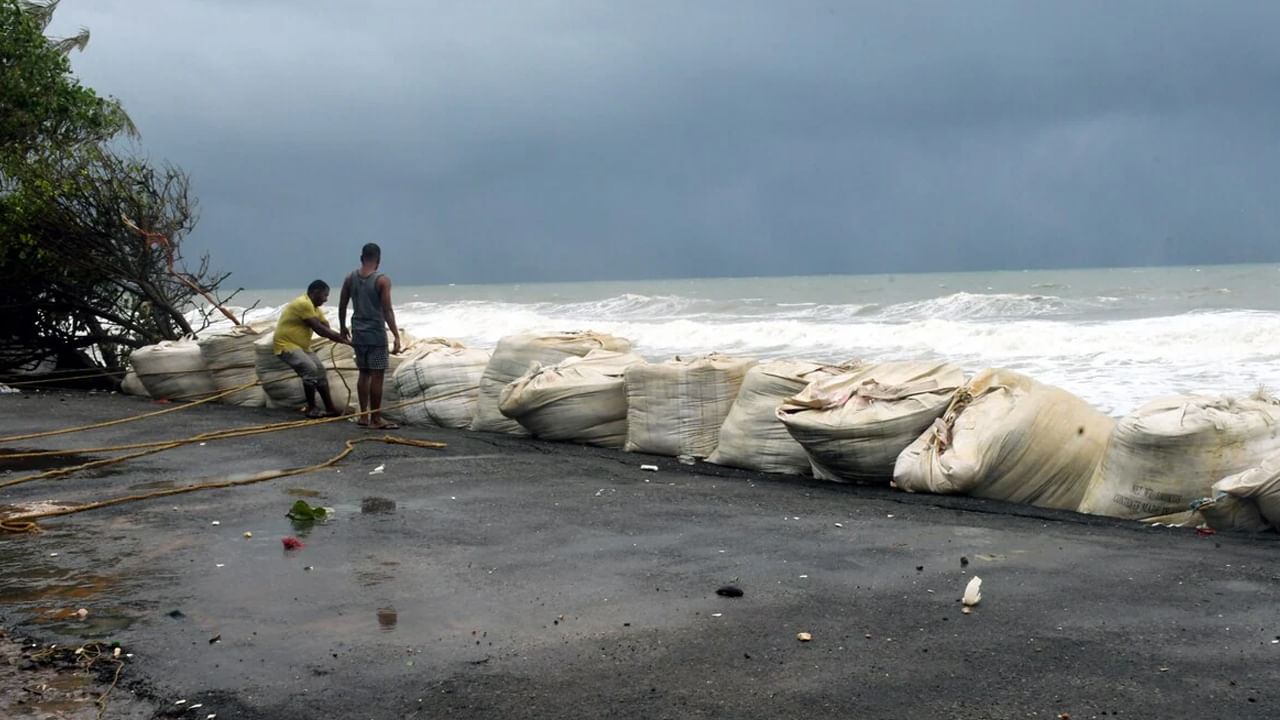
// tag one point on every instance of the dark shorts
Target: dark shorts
(371, 357)
(307, 365)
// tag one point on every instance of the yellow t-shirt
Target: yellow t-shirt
(292, 331)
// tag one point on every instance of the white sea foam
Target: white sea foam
(1115, 353)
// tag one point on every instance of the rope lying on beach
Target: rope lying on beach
(157, 446)
(121, 421)
(26, 523)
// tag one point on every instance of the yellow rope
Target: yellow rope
(151, 448)
(121, 421)
(25, 523)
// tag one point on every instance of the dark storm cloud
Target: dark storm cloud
(576, 140)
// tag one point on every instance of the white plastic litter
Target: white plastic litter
(378, 470)
(854, 425)
(1009, 437)
(580, 399)
(677, 407)
(752, 436)
(516, 355)
(972, 592)
(1169, 452)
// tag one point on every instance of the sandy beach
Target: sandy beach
(502, 577)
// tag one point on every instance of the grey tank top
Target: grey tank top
(367, 324)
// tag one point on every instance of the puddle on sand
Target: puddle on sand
(45, 462)
(387, 618)
(303, 492)
(67, 585)
(377, 505)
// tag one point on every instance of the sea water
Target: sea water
(1116, 337)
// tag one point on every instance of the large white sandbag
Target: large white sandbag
(579, 399)
(1009, 437)
(853, 425)
(516, 354)
(230, 358)
(677, 407)
(1169, 452)
(173, 370)
(410, 347)
(132, 385)
(1249, 500)
(444, 383)
(752, 436)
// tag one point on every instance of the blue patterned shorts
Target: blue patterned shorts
(371, 357)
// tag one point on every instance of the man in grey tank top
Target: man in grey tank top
(369, 291)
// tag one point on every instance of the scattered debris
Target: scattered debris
(176, 614)
(716, 614)
(804, 636)
(291, 543)
(964, 561)
(729, 591)
(1205, 531)
(649, 468)
(378, 470)
(215, 639)
(972, 592)
(215, 522)
(839, 525)
(82, 613)
(919, 568)
(248, 534)
(301, 512)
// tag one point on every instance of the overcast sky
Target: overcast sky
(494, 141)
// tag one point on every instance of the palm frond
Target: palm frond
(75, 42)
(41, 12)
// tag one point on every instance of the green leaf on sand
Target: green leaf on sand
(302, 512)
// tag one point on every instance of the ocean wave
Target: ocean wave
(979, 306)
(1115, 363)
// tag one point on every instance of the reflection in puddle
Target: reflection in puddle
(377, 505)
(387, 618)
(302, 492)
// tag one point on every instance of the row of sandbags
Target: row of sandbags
(924, 427)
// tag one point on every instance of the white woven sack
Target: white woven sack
(444, 382)
(853, 425)
(173, 370)
(579, 399)
(516, 354)
(1169, 452)
(1249, 500)
(132, 385)
(752, 437)
(1009, 437)
(677, 407)
(230, 358)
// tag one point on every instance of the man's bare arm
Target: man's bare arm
(322, 329)
(388, 312)
(343, 299)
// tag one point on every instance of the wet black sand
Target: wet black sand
(521, 579)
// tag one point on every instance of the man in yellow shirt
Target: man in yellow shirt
(300, 318)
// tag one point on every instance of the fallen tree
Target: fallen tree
(90, 233)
